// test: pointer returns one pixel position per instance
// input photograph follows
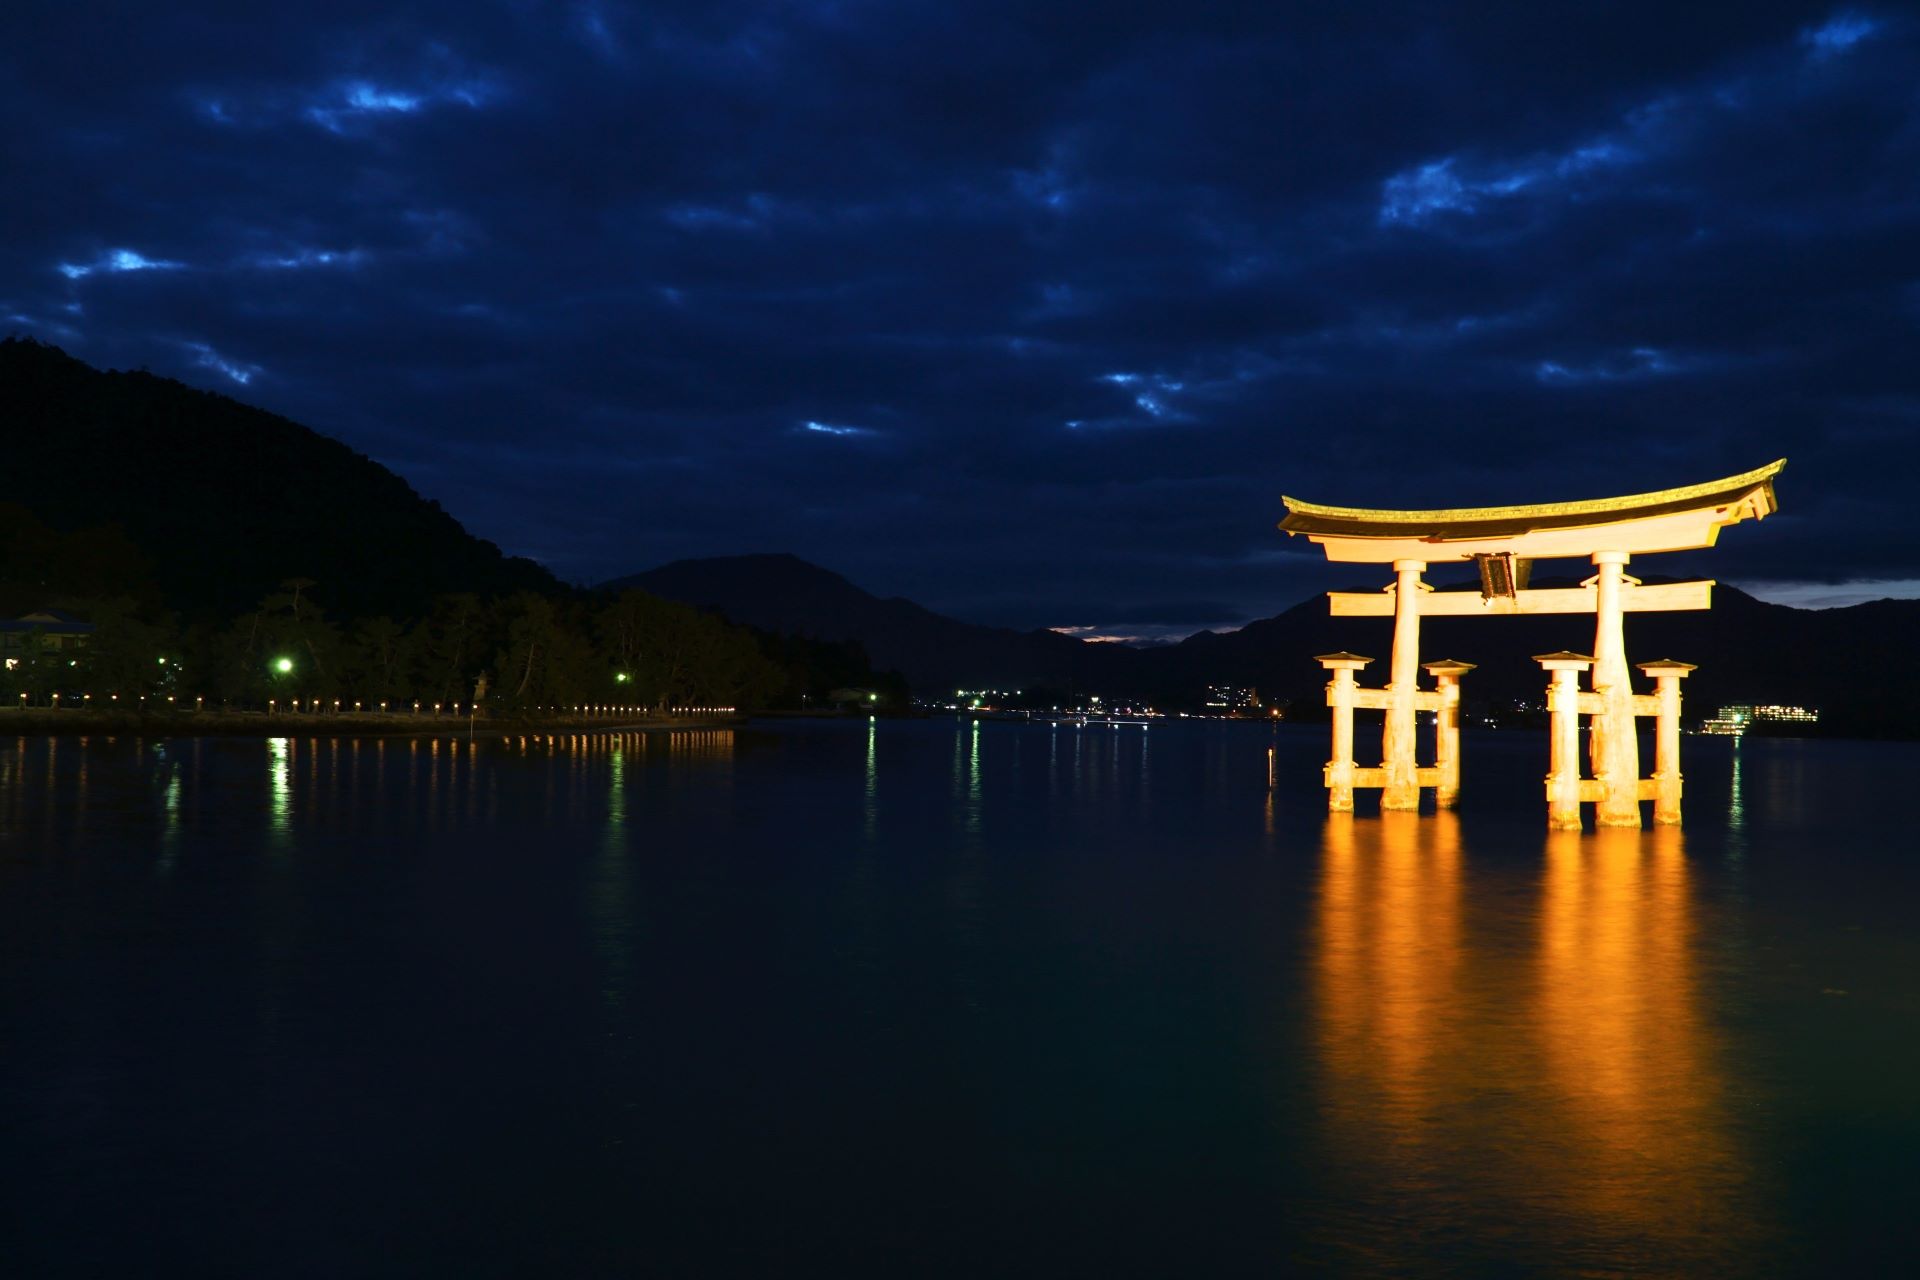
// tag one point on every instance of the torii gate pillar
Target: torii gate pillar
(1446, 734)
(1614, 744)
(1402, 790)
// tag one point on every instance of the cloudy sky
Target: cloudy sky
(1029, 312)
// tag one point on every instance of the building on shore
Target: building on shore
(42, 631)
(1734, 721)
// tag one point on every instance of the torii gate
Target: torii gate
(1504, 541)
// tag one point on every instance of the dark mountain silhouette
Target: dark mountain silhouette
(1851, 663)
(936, 653)
(225, 501)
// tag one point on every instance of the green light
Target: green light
(162, 661)
(283, 666)
(621, 677)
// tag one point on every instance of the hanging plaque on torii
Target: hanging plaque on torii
(1504, 542)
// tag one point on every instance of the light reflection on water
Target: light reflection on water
(1388, 965)
(870, 798)
(1562, 1074)
(1736, 803)
(1640, 1076)
(279, 786)
(610, 890)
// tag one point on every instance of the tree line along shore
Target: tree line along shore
(526, 658)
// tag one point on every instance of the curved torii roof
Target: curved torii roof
(1666, 520)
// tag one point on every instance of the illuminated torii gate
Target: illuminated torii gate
(1504, 541)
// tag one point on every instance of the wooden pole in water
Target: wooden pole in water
(1667, 675)
(1402, 790)
(1340, 691)
(1563, 769)
(1446, 733)
(1615, 745)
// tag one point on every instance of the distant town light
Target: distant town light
(1734, 721)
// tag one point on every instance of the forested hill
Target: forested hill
(223, 502)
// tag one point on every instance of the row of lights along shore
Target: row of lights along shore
(336, 706)
(322, 706)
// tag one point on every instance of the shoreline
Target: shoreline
(41, 722)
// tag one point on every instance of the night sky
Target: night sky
(1030, 313)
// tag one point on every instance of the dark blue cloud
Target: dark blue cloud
(1027, 311)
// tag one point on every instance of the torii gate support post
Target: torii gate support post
(1340, 691)
(1402, 789)
(1563, 768)
(1446, 733)
(1667, 675)
(1615, 744)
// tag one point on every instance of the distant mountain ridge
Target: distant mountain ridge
(227, 500)
(779, 592)
(1852, 663)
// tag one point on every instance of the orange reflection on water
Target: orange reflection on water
(1512, 1064)
(1389, 955)
(1628, 1054)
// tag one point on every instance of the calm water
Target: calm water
(944, 998)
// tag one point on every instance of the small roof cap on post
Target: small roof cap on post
(1342, 661)
(1448, 667)
(1565, 660)
(1667, 667)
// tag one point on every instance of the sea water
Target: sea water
(944, 997)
